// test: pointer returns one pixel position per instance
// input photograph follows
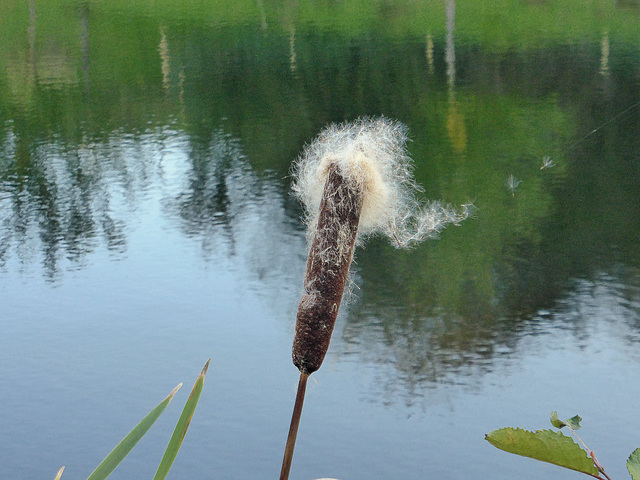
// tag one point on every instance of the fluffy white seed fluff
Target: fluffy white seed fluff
(371, 155)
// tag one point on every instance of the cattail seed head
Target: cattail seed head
(327, 270)
(354, 180)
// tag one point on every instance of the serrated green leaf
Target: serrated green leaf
(633, 464)
(180, 431)
(544, 445)
(573, 423)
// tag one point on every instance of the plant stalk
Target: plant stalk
(293, 429)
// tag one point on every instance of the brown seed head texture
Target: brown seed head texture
(327, 270)
(355, 180)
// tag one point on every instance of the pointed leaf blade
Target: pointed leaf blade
(544, 445)
(633, 464)
(125, 446)
(59, 474)
(180, 431)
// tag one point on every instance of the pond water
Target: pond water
(147, 224)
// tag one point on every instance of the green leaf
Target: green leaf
(555, 421)
(573, 423)
(59, 474)
(633, 464)
(123, 448)
(180, 431)
(544, 445)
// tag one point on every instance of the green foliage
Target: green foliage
(125, 446)
(118, 454)
(554, 447)
(181, 427)
(544, 445)
(573, 423)
(633, 464)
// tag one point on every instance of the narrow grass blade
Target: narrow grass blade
(121, 450)
(180, 431)
(59, 474)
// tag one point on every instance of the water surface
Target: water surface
(146, 224)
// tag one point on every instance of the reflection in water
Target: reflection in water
(60, 201)
(84, 37)
(165, 66)
(32, 35)
(74, 177)
(606, 308)
(450, 49)
(292, 51)
(604, 58)
(66, 202)
(205, 206)
(455, 119)
(418, 353)
(429, 53)
(117, 128)
(235, 214)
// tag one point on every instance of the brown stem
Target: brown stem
(293, 429)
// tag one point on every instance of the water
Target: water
(146, 225)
